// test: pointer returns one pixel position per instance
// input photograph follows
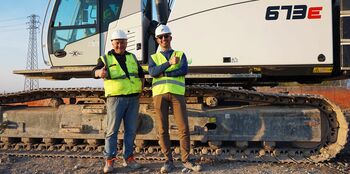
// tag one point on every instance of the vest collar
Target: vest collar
(112, 51)
(167, 51)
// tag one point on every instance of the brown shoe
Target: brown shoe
(167, 167)
(108, 166)
(192, 166)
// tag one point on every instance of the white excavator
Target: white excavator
(232, 46)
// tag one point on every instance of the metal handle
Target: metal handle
(60, 53)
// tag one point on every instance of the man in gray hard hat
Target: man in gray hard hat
(122, 83)
(168, 69)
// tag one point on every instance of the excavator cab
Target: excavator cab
(229, 42)
(76, 31)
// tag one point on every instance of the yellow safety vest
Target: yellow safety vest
(162, 85)
(117, 83)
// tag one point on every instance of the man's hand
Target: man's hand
(174, 60)
(102, 73)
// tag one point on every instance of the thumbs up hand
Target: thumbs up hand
(174, 60)
(102, 73)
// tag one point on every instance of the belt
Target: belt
(128, 95)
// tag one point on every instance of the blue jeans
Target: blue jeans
(118, 109)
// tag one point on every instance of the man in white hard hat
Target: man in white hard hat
(122, 83)
(168, 69)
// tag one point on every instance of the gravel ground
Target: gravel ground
(30, 165)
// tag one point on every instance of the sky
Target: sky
(14, 37)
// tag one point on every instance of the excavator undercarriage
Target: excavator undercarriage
(225, 123)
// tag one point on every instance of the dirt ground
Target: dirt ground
(35, 165)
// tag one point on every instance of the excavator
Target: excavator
(232, 47)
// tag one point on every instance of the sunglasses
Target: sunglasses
(166, 36)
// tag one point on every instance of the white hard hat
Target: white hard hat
(119, 34)
(162, 29)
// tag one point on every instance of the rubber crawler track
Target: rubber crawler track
(331, 144)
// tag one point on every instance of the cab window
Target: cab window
(76, 12)
(74, 20)
(110, 12)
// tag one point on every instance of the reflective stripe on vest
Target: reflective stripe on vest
(162, 85)
(118, 83)
(175, 82)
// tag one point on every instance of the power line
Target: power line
(12, 29)
(13, 19)
(12, 25)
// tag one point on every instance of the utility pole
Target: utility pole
(32, 54)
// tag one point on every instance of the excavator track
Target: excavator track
(332, 143)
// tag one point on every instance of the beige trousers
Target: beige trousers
(161, 105)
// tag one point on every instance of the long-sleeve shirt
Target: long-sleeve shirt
(121, 60)
(156, 71)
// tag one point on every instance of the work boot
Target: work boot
(131, 162)
(108, 166)
(167, 167)
(192, 166)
